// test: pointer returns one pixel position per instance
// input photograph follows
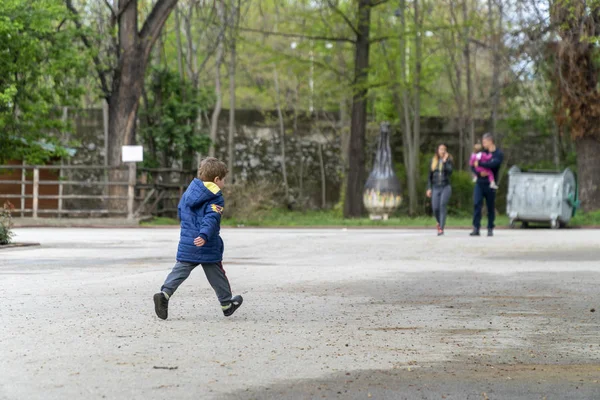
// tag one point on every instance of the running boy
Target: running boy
(200, 210)
(480, 156)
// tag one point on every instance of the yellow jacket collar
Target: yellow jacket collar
(212, 187)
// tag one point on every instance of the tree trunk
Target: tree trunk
(134, 47)
(469, 77)
(301, 177)
(214, 123)
(344, 132)
(401, 99)
(462, 161)
(122, 114)
(455, 77)
(179, 46)
(416, 146)
(355, 181)
(588, 165)
(128, 80)
(191, 66)
(281, 133)
(232, 65)
(192, 48)
(495, 46)
(461, 144)
(411, 141)
(296, 96)
(323, 178)
(556, 146)
(577, 96)
(343, 122)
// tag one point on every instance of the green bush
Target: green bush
(253, 200)
(423, 204)
(461, 202)
(6, 233)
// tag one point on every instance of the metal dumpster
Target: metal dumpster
(541, 197)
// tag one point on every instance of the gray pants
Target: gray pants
(440, 196)
(214, 273)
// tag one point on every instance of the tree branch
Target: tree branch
(297, 35)
(112, 10)
(412, 33)
(121, 9)
(98, 64)
(378, 3)
(344, 16)
(325, 65)
(154, 23)
(61, 24)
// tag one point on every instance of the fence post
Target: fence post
(131, 189)
(60, 190)
(36, 188)
(23, 191)
(65, 118)
(105, 129)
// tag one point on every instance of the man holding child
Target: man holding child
(485, 187)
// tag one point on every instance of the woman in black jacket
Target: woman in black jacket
(438, 187)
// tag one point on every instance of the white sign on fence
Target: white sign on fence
(132, 153)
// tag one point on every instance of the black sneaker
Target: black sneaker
(161, 305)
(475, 233)
(490, 232)
(236, 302)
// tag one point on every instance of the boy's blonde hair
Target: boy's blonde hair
(212, 168)
(478, 148)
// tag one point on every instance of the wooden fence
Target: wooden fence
(148, 191)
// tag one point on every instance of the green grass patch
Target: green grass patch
(160, 221)
(280, 218)
(291, 219)
(586, 219)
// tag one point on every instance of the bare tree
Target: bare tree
(455, 70)
(416, 134)
(218, 91)
(234, 18)
(281, 132)
(407, 98)
(179, 45)
(469, 76)
(123, 83)
(577, 101)
(355, 180)
(495, 32)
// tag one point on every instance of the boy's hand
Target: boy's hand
(199, 242)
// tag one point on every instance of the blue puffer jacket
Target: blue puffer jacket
(200, 210)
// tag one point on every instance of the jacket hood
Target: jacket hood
(203, 191)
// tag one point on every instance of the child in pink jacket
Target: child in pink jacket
(479, 155)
